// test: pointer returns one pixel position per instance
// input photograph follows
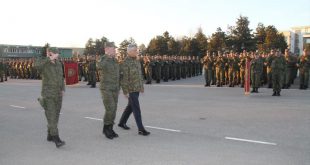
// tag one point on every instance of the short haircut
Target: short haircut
(109, 45)
(131, 47)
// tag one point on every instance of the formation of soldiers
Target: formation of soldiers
(276, 69)
(154, 68)
(22, 68)
(219, 68)
(165, 68)
(18, 69)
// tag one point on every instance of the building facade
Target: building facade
(297, 38)
(21, 51)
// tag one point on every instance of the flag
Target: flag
(71, 73)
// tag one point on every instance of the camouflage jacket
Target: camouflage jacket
(132, 80)
(92, 66)
(109, 73)
(278, 64)
(52, 77)
(304, 62)
(257, 65)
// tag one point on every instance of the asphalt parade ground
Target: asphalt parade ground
(189, 124)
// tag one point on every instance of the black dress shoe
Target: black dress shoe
(124, 126)
(144, 132)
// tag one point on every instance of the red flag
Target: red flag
(71, 73)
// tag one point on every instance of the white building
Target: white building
(297, 38)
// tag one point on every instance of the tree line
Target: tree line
(236, 38)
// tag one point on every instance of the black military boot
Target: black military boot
(113, 133)
(253, 90)
(49, 137)
(106, 131)
(278, 93)
(58, 141)
(274, 93)
(301, 87)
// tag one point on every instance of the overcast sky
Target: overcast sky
(70, 23)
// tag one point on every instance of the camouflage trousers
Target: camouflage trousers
(1, 75)
(208, 76)
(220, 73)
(269, 76)
(304, 77)
(241, 75)
(232, 76)
(52, 107)
(110, 100)
(92, 78)
(288, 77)
(255, 80)
(277, 81)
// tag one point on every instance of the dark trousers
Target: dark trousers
(133, 107)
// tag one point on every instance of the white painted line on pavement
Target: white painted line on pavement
(165, 129)
(15, 106)
(250, 141)
(93, 118)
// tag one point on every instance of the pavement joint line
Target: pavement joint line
(16, 106)
(159, 128)
(250, 141)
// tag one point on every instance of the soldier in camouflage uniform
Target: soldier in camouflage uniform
(148, 65)
(269, 60)
(214, 70)
(304, 66)
(220, 70)
(178, 68)
(242, 64)
(277, 71)
(53, 88)
(1, 70)
(132, 85)
(158, 68)
(290, 65)
(173, 68)
(85, 70)
(166, 66)
(92, 72)
(109, 87)
(256, 72)
(208, 66)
